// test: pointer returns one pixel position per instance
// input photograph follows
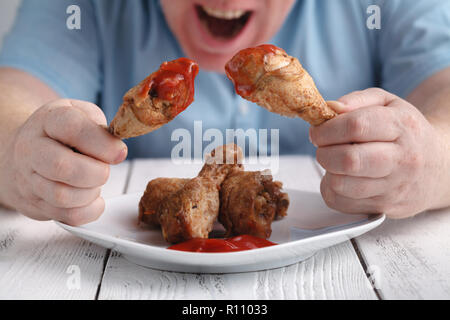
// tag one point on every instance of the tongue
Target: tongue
(221, 27)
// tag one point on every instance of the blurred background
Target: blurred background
(8, 10)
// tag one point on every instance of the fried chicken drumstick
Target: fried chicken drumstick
(250, 202)
(268, 76)
(187, 208)
(156, 100)
(156, 192)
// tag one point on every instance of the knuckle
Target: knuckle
(415, 161)
(72, 126)
(83, 215)
(101, 207)
(356, 127)
(327, 194)
(361, 191)
(72, 217)
(97, 193)
(320, 157)
(68, 120)
(104, 176)
(411, 122)
(63, 168)
(61, 196)
(336, 183)
(47, 108)
(376, 90)
(351, 162)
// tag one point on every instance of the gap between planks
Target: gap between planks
(108, 251)
(361, 259)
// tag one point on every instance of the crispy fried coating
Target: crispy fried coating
(268, 76)
(249, 202)
(191, 212)
(156, 192)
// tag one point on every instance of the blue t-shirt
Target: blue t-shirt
(121, 42)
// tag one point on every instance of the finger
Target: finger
(91, 110)
(348, 205)
(337, 106)
(61, 195)
(56, 162)
(72, 127)
(370, 160)
(366, 98)
(355, 187)
(363, 125)
(75, 216)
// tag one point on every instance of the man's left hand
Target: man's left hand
(381, 155)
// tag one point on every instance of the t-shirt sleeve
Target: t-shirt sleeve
(414, 42)
(42, 44)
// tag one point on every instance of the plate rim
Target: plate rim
(373, 220)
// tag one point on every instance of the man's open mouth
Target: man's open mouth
(224, 24)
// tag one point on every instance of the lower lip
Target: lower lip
(239, 243)
(211, 43)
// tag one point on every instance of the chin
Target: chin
(212, 62)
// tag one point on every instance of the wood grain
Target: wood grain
(411, 257)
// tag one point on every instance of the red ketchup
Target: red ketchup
(173, 82)
(244, 68)
(239, 243)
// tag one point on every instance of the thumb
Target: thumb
(338, 106)
(91, 110)
(360, 99)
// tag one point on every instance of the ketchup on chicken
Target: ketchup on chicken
(239, 243)
(242, 68)
(173, 82)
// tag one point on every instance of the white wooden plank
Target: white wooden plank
(36, 256)
(333, 273)
(39, 260)
(117, 179)
(410, 258)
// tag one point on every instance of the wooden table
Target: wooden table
(406, 259)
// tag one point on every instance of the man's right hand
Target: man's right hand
(57, 161)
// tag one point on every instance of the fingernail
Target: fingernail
(122, 155)
(337, 106)
(310, 138)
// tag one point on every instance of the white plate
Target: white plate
(309, 226)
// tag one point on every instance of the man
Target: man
(388, 150)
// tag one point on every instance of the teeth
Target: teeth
(222, 14)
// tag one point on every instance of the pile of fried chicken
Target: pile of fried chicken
(244, 202)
